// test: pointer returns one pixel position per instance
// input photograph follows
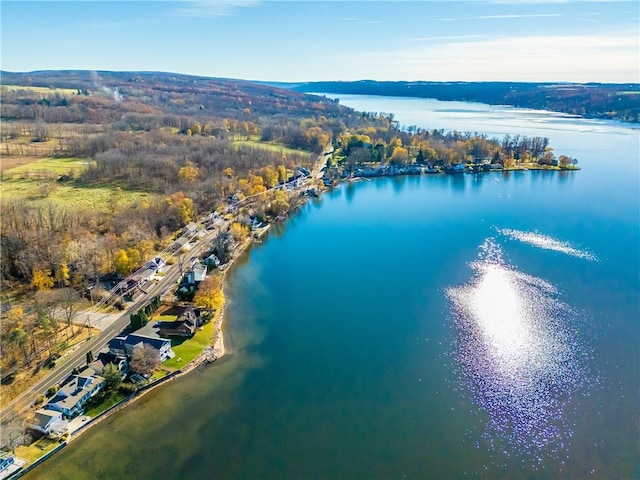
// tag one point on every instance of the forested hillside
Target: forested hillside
(100, 171)
(178, 144)
(591, 100)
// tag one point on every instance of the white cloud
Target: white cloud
(213, 8)
(527, 58)
(531, 15)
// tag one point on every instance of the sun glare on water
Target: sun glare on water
(517, 352)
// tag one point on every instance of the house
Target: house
(148, 273)
(107, 357)
(196, 275)
(211, 261)
(49, 421)
(147, 335)
(160, 263)
(179, 328)
(73, 395)
(455, 168)
(184, 326)
(6, 460)
(256, 223)
(136, 340)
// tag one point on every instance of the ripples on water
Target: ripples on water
(547, 243)
(519, 354)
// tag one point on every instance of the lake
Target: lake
(464, 326)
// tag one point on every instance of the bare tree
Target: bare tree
(145, 359)
(13, 433)
(70, 303)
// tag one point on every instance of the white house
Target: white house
(49, 421)
(73, 395)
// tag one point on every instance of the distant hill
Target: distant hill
(591, 100)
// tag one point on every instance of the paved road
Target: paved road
(77, 358)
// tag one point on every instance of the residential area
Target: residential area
(170, 325)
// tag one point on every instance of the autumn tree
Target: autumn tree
(238, 231)
(279, 203)
(62, 274)
(270, 176)
(400, 155)
(282, 173)
(41, 280)
(209, 294)
(188, 173)
(564, 161)
(124, 263)
(19, 337)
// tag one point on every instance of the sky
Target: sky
(307, 40)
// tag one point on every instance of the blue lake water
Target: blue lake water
(419, 327)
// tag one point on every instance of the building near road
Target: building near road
(49, 422)
(124, 345)
(73, 395)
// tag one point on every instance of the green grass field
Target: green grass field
(37, 182)
(37, 449)
(271, 147)
(103, 403)
(190, 348)
(68, 195)
(42, 90)
(61, 166)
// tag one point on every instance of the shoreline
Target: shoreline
(214, 352)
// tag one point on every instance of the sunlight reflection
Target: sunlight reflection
(517, 352)
(546, 242)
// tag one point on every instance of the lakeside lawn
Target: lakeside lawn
(103, 402)
(37, 449)
(188, 349)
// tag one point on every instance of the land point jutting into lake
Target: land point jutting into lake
(137, 299)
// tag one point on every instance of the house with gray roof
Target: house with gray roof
(147, 335)
(49, 421)
(73, 395)
(107, 357)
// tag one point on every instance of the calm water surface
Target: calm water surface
(419, 327)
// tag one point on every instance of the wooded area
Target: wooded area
(160, 151)
(591, 100)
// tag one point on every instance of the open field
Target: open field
(45, 91)
(69, 195)
(9, 162)
(36, 182)
(60, 166)
(271, 147)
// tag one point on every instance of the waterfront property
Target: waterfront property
(73, 395)
(196, 275)
(106, 357)
(124, 345)
(49, 422)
